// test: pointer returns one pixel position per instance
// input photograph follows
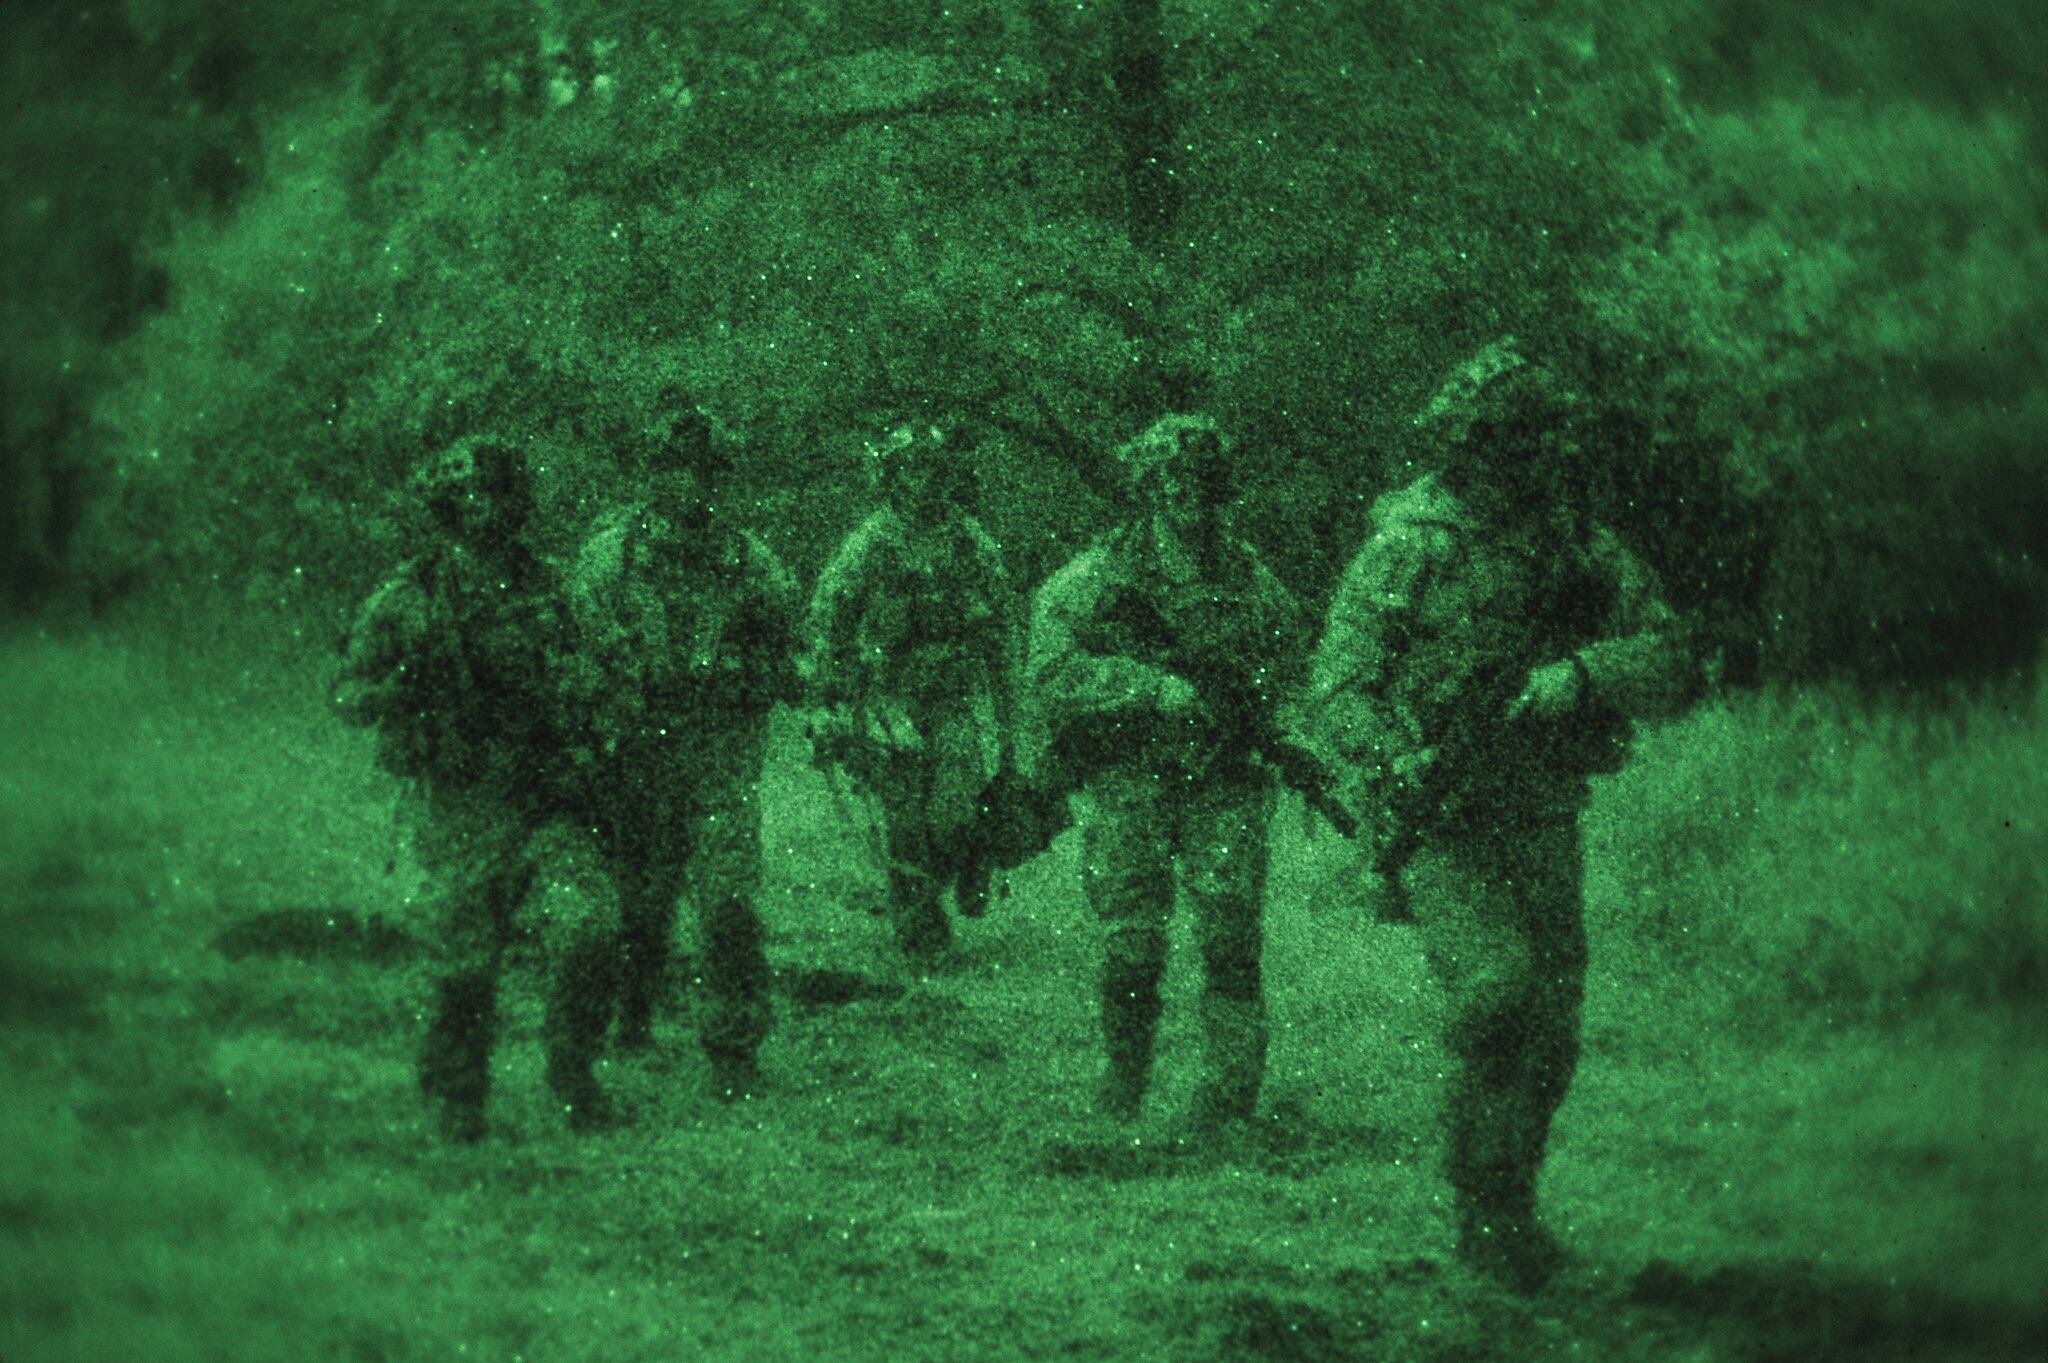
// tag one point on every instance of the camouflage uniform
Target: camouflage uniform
(458, 661)
(692, 630)
(910, 649)
(1464, 593)
(1113, 633)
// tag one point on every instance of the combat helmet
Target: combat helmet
(1499, 387)
(918, 462)
(475, 468)
(1177, 446)
(684, 435)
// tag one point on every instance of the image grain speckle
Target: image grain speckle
(1155, 679)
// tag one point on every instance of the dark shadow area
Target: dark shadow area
(35, 995)
(317, 935)
(1792, 1310)
(813, 989)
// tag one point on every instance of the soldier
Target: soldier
(1149, 684)
(691, 624)
(1482, 658)
(459, 661)
(911, 663)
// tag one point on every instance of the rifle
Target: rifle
(1014, 822)
(1192, 639)
(1251, 718)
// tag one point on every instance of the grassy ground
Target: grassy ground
(210, 1146)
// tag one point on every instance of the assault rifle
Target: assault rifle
(1246, 712)
(1196, 638)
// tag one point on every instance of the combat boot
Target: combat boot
(1500, 1235)
(455, 1056)
(1130, 1024)
(1234, 1054)
(1514, 1250)
(735, 1074)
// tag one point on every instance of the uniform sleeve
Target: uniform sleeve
(381, 651)
(1005, 655)
(1349, 714)
(1373, 609)
(1066, 681)
(593, 583)
(1645, 668)
(773, 626)
(1283, 623)
(831, 631)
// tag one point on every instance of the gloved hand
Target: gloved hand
(1552, 690)
(1177, 695)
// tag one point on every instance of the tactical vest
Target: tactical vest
(1210, 633)
(708, 658)
(472, 700)
(1482, 618)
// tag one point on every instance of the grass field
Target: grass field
(1808, 1124)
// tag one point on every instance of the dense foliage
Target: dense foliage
(1799, 257)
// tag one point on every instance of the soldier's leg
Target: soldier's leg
(1223, 866)
(649, 861)
(578, 916)
(968, 747)
(732, 1005)
(1468, 903)
(915, 885)
(1551, 883)
(471, 857)
(1128, 876)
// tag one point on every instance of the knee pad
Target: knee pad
(1136, 945)
(1235, 976)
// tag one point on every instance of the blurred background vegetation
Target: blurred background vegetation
(257, 260)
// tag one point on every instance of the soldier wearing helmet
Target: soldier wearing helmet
(911, 664)
(1483, 657)
(1151, 680)
(460, 661)
(689, 624)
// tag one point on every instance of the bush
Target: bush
(1813, 851)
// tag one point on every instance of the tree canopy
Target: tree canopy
(1797, 257)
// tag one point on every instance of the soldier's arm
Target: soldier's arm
(772, 612)
(1003, 653)
(1372, 611)
(1066, 679)
(383, 650)
(1283, 625)
(1647, 668)
(831, 623)
(592, 583)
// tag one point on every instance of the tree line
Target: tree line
(262, 265)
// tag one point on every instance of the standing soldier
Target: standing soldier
(911, 663)
(1151, 685)
(1483, 657)
(691, 625)
(459, 661)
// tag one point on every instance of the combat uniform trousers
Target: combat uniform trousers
(684, 821)
(1214, 828)
(488, 855)
(929, 798)
(1500, 909)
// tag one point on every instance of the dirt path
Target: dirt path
(212, 1147)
